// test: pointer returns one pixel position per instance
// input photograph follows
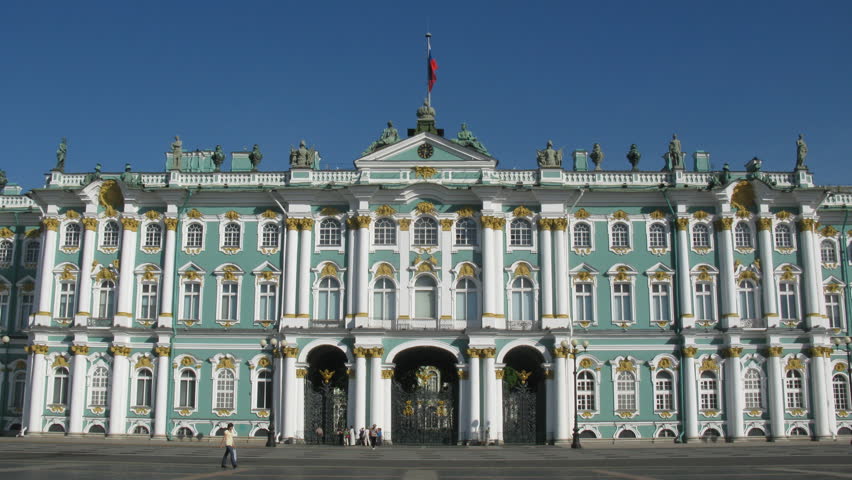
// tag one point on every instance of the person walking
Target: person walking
(366, 436)
(373, 437)
(230, 449)
(353, 438)
(319, 433)
(379, 436)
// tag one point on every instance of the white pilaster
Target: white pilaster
(445, 310)
(776, 394)
(78, 388)
(562, 295)
(550, 404)
(490, 274)
(300, 408)
(304, 287)
(690, 410)
(118, 390)
(387, 423)
(360, 413)
(35, 409)
(363, 272)
(820, 383)
(767, 268)
(376, 388)
(687, 319)
(167, 281)
(730, 317)
(84, 304)
(291, 260)
(811, 276)
(546, 245)
(44, 281)
(736, 397)
(124, 308)
(498, 407)
(161, 406)
(490, 398)
(474, 422)
(288, 420)
(560, 371)
(499, 276)
(404, 250)
(464, 407)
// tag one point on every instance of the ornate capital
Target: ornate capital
(90, 223)
(682, 223)
(473, 353)
(51, 224)
(489, 352)
(119, 351)
(301, 372)
(561, 352)
(821, 352)
(162, 351)
(494, 223)
(363, 221)
(732, 352)
(807, 224)
(764, 223)
(462, 374)
(404, 224)
(498, 374)
(130, 224)
(80, 350)
(38, 349)
(689, 352)
(775, 351)
(545, 223)
(292, 223)
(446, 224)
(560, 224)
(306, 224)
(724, 223)
(290, 352)
(375, 352)
(360, 352)
(171, 223)
(387, 373)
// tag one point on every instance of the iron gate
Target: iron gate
(422, 416)
(519, 414)
(325, 407)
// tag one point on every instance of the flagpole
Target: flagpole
(428, 49)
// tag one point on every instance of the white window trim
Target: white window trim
(660, 274)
(134, 377)
(389, 248)
(255, 369)
(834, 372)
(221, 273)
(6, 291)
(668, 233)
(26, 245)
(713, 274)
(154, 274)
(96, 296)
(101, 227)
(793, 234)
(637, 383)
(143, 235)
(759, 369)
(412, 246)
(756, 282)
(719, 384)
(834, 286)
(454, 289)
(672, 369)
(261, 224)
(101, 362)
(780, 273)
(535, 294)
(63, 232)
(259, 279)
(582, 250)
(833, 242)
(57, 286)
(50, 376)
(344, 229)
(593, 275)
(223, 223)
(711, 234)
(631, 241)
(21, 323)
(628, 275)
(595, 370)
(376, 322)
(318, 277)
(195, 367)
(182, 273)
(466, 248)
(752, 234)
(214, 372)
(184, 229)
(507, 236)
(806, 381)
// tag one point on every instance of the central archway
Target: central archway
(326, 386)
(524, 397)
(425, 397)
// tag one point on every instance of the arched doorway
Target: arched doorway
(326, 386)
(524, 397)
(425, 397)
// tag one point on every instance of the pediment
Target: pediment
(425, 149)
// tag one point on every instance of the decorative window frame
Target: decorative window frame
(584, 273)
(706, 273)
(266, 274)
(620, 217)
(54, 361)
(259, 363)
(194, 219)
(522, 269)
(784, 218)
(800, 362)
(715, 363)
(667, 229)
(834, 286)
(588, 362)
(148, 273)
(65, 272)
(839, 367)
(626, 428)
(472, 272)
(25, 286)
(150, 219)
(507, 234)
(660, 274)
(102, 227)
(270, 218)
(834, 246)
(139, 362)
(69, 249)
(412, 292)
(104, 273)
(790, 273)
(711, 234)
(672, 427)
(25, 245)
(479, 233)
(630, 364)
(751, 274)
(13, 372)
(755, 361)
(181, 363)
(343, 227)
(394, 247)
(379, 271)
(582, 251)
(321, 271)
(668, 363)
(190, 273)
(219, 362)
(228, 218)
(620, 274)
(5, 313)
(752, 233)
(413, 246)
(98, 361)
(803, 424)
(228, 273)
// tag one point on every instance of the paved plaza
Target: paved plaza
(83, 459)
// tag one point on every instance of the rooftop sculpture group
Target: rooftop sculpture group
(466, 138)
(389, 136)
(304, 157)
(549, 158)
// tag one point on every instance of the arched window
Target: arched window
(742, 235)
(700, 236)
(141, 430)
(56, 428)
(31, 252)
(269, 236)
(840, 386)
(663, 391)
(263, 395)
(99, 388)
(186, 398)
(520, 233)
(827, 252)
(625, 391)
(110, 239)
(752, 389)
(657, 236)
(425, 297)
(261, 432)
(627, 434)
(709, 391)
(666, 433)
(384, 299)
(586, 391)
(793, 389)
(329, 299)
(582, 235)
(106, 299)
(466, 232)
(798, 432)
(620, 235)
(425, 232)
(748, 302)
(467, 300)
(225, 389)
(97, 429)
(384, 232)
(60, 386)
(329, 233)
(756, 432)
(185, 432)
(783, 237)
(5, 252)
(153, 236)
(72, 235)
(789, 301)
(522, 300)
(144, 386)
(228, 301)
(19, 389)
(194, 235)
(232, 236)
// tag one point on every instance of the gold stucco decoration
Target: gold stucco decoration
(404, 224)
(522, 270)
(80, 350)
(424, 172)
(326, 375)
(467, 270)
(794, 363)
(225, 362)
(119, 351)
(747, 275)
(152, 215)
(743, 195)
(446, 224)
(622, 276)
(328, 270)
(828, 231)
(110, 196)
(270, 214)
(425, 267)
(105, 274)
(583, 276)
(232, 215)
(143, 362)
(700, 215)
(385, 211)
(51, 224)
(6, 233)
(708, 364)
(682, 223)
(788, 274)
(625, 365)
(59, 361)
(620, 215)
(582, 214)
(465, 212)
(522, 211)
(384, 270)
(194, 213)
(661, 276)
(783, 215)
(425, 207)
(191, 275)
(664, 362)
(704, 274)
(68, 272)
(329, 212)
(690, 352)
(658, 215)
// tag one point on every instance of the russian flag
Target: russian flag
(431, 66)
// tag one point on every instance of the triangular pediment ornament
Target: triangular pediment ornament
(425, 150)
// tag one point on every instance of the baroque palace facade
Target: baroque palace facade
(430, 293)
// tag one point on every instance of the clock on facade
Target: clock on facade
(425, 151)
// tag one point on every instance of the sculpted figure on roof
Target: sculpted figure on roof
(549, 157)
(255, 157)
(801, 152)
(466, 138)
(303, 157)
(218, 158)
(389, 136)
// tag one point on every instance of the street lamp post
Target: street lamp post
(847, 342)
(270, 433)
(6, 389)
(573, 349)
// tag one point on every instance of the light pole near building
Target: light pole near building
(573, 349)
(270, 433)
(838, 342)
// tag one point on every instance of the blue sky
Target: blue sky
(120, 79)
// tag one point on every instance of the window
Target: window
(832, 309)
(329, 233)
(25, 308)
(700, 236)
(657, 236)
(144, 385)
(269, 236)
(18, 390)
(106, 299)
(384, 299)
(704, 310)
(5, 252)
(425, 232)
(841, 392)
(793, 387)
(625, 391)
(622, 304)
(582, 235)
(742, 235)
(827, 252)
(148, 306)
(748, 303)
(4, 303)
(60, 386)
(585, 391)
(384, 232)
(31, 252)
(329, 299)
(191, 301)
(783, 237)
(228, 301)
(620, 235)
(267, 302)
(263, 395)
(708, 391)
(232, 236)
(110, 239)
(663, 391)
(666, 433)
(141, 430)
(194, 235)
(186, 398)
(467, 301)
(583, 303)
(522, 299)
(466, 232)
(72, 235)
(752, 389)
(661, 302)
(789, 301)
(153, 236)
(67, 299)
(425, 297)
(99, 388)
(520, 233)
(225, 384)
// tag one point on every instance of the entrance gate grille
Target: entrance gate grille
(325, 407)
(424, 417)
(519, 414)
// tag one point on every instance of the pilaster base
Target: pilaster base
(294, 322)
(41, 320)
(164, 321)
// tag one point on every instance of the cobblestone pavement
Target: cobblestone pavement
(65, 458)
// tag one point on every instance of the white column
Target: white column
(351, 248)
(812, 279)
(387, 423)
(489, 273)
(490, 397)
(445, 310)
(376, 387)
(360, 387)
(474, 423)
(362, 272)
(167, 281)
(84, 293)
(300, 405)
(820, 382)
(304, 287)
(767, 268)
(690, 410)
(161, 407)
(498, 407)
(278, 398)
(730, 317)
(546, 247)
(292, 257)
(124, 308)
(404, 260)
(289, 412)
(118, 390)
(464, 399)
(78, 388)
(560, 371)
(736, 397)
(830, 407)
(550, 404)
(35, 409)
(562, 295)
(776, 393)
(45, 273)
(687, 319)
(499, 275)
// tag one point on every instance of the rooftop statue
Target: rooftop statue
(389, 136)
(177, 152)
(93, 176)
(3, 179)
(426, 112)
(633, 156)
(61, 152)
(674, 157)
(801, 153)
(129, 178)
(466, 138)
(597, 155)
(549, 158)
(303, 157)
(218, 158)
(255, 157)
